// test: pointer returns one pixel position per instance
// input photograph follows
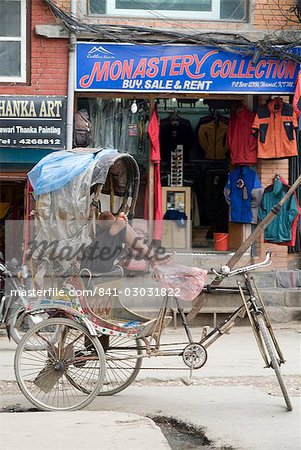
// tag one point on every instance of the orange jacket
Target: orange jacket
(274, 125)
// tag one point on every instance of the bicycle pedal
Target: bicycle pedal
(188, 381)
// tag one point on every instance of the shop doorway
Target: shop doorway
(12, 201)
(198, 127)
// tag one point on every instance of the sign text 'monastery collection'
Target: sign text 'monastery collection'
(142, 68)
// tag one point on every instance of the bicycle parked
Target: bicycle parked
(15, 306)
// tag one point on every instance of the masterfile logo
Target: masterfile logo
(99, 52)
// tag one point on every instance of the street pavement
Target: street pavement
(78, 431)
(232, 399)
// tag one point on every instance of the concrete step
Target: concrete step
(219, 306)
(283, 304)
(211, 317)
(207, 260)
(284, 315)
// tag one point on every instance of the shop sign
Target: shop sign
(170, 68)
(33, 122)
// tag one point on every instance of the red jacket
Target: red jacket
(297, 99)
(241, 141)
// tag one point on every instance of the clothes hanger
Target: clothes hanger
(174, 113)
(174, 118)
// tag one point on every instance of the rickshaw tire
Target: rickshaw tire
(131, 378)
(274, 363)
(22, 384)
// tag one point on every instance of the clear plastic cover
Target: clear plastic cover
(63, 215)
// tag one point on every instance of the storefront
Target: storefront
(195, 90)
(30, 128)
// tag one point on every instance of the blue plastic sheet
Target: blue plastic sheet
(58, 168)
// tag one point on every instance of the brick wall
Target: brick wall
(48, 59)
(274, 14)
(64, 4)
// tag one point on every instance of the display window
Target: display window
(193, 148)
(211, 186)
(195, 155)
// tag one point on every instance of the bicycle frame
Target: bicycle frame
(252, 305)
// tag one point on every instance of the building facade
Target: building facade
(43, 43)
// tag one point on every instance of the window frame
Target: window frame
(23, 47)
(156, 13)
(213, 15)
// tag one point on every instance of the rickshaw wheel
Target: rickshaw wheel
(51, 375)
(122, 363)
(120, 371)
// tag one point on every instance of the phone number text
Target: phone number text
(138, 292)
(27, 141)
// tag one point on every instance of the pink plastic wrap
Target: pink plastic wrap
(186, 282)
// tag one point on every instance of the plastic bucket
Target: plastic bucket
(220, 241)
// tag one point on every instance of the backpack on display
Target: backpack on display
(82, 130)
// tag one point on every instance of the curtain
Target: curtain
(115, 126)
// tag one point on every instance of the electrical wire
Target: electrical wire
(270, 46)
(296, 10)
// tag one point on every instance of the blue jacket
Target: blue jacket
(177, 216)
(243, 193)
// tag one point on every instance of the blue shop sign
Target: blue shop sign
(175, 68)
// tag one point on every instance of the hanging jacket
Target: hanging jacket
(274, 126)
(175, 131)
(213, 139)
(213, 118)
(241, 142)
(297, 99)
(243, 193)
(282, 229)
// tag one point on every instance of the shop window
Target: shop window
(173, 9)
(13, 40)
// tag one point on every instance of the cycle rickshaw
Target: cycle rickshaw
(77, 354)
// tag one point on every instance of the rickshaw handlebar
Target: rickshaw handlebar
(225, 271)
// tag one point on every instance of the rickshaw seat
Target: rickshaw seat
(116, 313)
